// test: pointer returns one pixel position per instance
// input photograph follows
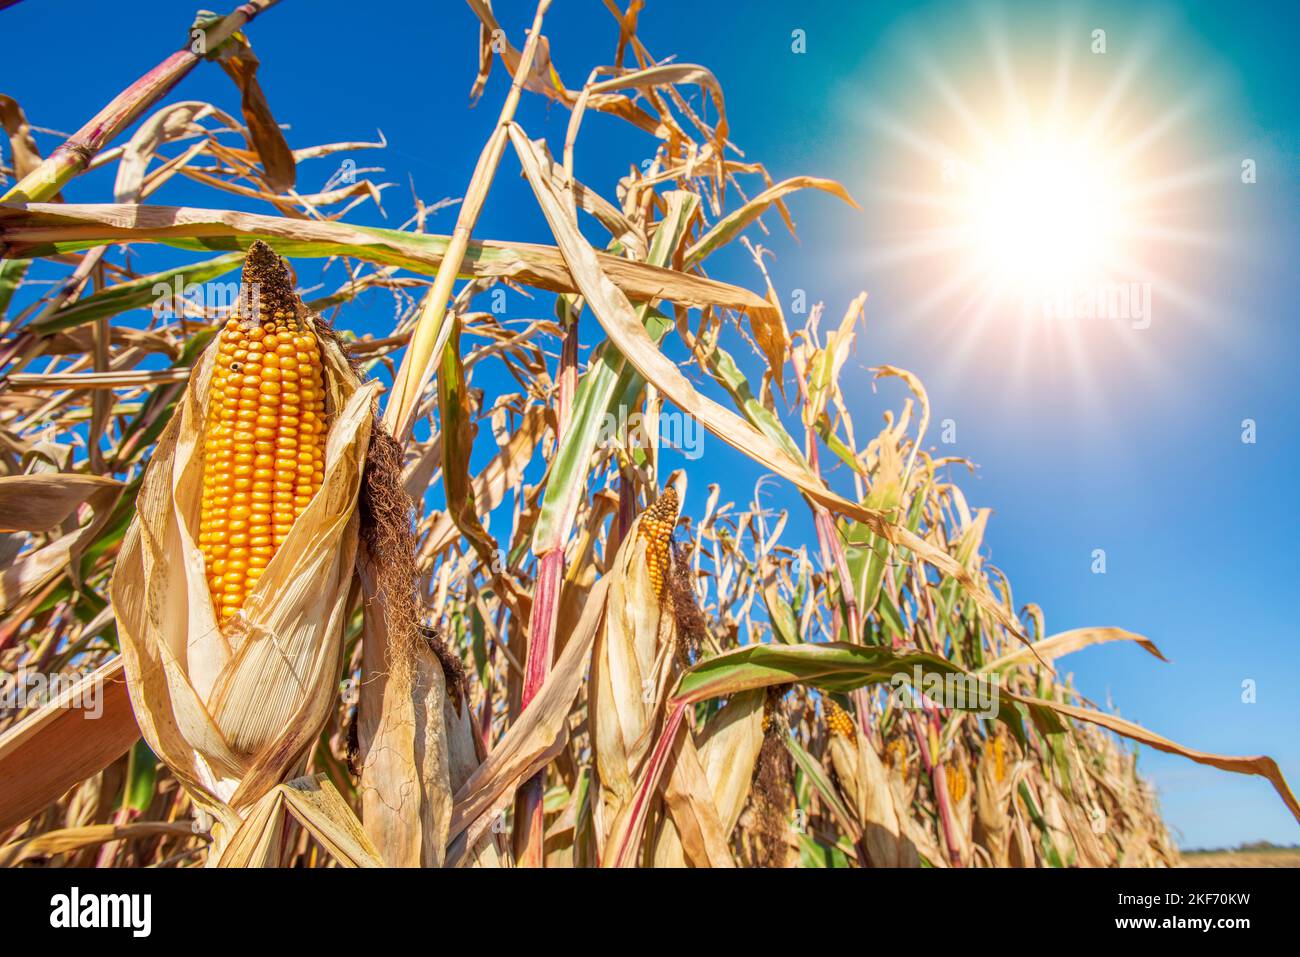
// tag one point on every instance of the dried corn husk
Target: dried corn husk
(961, 798)
(233, 713)
(993, 799)
(405, 778)
(726, 749)
(465, 752)
(631, 665)
(866, 783)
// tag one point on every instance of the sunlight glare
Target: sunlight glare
(1041, 212)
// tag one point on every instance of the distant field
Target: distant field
(1280, 857)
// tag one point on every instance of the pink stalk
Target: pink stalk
(833, 554)
(124, 109)
(529, 829)
(940, 783)
(629, 840)
(541, 622)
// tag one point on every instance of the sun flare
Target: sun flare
(1034, 210)
(1040, 212)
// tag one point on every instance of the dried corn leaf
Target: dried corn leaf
(535, 738)
(85, 745)
(1066, 642)
(39, 501)
(44, 228)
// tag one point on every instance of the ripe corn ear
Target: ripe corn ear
(233, 703)
(656, 530)
(838, 720)
(264, 443)
(956, 781)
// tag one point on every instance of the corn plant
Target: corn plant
(316, 636)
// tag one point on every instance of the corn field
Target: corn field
(313, 635)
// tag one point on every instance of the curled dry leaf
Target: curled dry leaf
(1069, 641)
(37, 503)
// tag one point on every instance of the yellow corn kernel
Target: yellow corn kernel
(957, 782)
(896, 753)
(656, 530)
(254, 441)
(838, 720)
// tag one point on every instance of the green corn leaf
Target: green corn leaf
(830, 666)
(12, 272)
(141, 775)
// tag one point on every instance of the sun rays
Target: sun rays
(1037, 200)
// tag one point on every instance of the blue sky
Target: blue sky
(1125, 440)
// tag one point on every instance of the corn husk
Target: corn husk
(465, 753)
(631, 665)
(961, 797)
(993, 800)
(726, 750)
(234, 712)
(405, 783)
(866, 783)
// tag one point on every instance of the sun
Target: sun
(1037, 209)
(1040, 213)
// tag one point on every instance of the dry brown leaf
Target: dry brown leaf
(536, 737)
(24, 227)
(1065, 642)
(84, 745)
(38, 501)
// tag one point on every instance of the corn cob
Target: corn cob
(657, 524)
(999, 757)
(264, 448)
(838, 720)
(956, 781)
(896, 753)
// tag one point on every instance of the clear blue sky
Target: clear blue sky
(1129, 442)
